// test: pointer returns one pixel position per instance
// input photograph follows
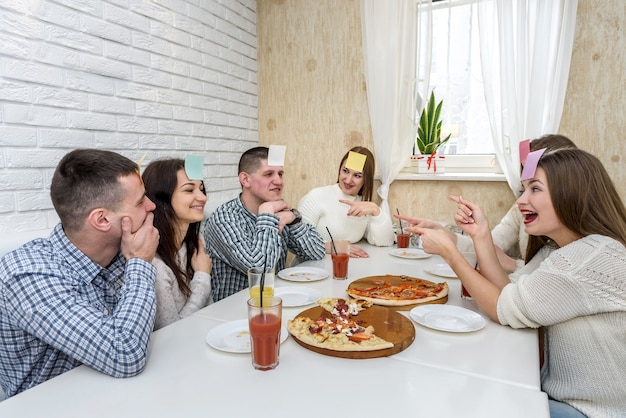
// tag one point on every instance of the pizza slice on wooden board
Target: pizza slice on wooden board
(340, 329)
(398, 291)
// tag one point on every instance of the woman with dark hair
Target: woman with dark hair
(183, 283)
(346, 208)
(573, 284)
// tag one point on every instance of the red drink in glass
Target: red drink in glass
(264, 322)
(265, 340)
(340, 265)
(403, 240)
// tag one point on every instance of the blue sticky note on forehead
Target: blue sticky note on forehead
(531, 164)
(193, 167)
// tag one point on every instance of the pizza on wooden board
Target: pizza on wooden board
(397, 290)
(340, 329)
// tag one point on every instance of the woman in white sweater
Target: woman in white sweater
(183, 282)
(346, 207)
(573, 284)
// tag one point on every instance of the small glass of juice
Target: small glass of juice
(340, 254)
(254, 282)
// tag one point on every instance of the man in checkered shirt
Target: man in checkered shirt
(84, 295)
(256, 228)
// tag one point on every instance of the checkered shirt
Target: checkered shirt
(59, 309)
(237, 239)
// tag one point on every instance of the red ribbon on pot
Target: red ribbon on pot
(433, 160)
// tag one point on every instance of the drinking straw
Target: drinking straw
(262, 284)
(332, 242)
(400, 221)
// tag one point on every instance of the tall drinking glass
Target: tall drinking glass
(264, 323)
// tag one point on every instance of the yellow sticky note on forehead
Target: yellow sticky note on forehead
(356, 161)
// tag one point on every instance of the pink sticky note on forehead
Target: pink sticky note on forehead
(524, 149)
(530, 167)
(355, 161)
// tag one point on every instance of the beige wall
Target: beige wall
(312, 98)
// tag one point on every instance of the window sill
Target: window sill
(450, 177)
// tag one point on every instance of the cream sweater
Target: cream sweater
(509, 235)
(578, 293)
(321, 208)
(172, 304)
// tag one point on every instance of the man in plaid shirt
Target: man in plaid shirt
(84, 295)
(255, 227)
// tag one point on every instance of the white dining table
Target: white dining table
(491, 372)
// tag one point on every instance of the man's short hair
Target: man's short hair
(252, 159)
(86, 179)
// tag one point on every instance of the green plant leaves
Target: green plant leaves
(429, 130)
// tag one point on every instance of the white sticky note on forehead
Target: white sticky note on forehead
(276, 155)
(356, 161)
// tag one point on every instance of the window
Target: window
(456, 78)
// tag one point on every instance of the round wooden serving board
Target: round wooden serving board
(388, 324)
(372, 281)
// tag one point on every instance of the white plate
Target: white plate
(303, 274)
(447, 318)
(413, 253)
(442, 270)
(234, 336)
(297, 295)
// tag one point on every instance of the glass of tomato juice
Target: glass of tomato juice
(264, 322)
(340, 254)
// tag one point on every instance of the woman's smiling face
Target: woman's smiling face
(536, 206)
(188, 199)
(350, 181)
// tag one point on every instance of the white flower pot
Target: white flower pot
(428, 164)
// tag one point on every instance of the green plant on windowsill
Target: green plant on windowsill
(428, 138)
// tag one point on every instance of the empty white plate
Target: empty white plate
(303, 274)
(297, 295)
(412, 253)
(447, 318)
(442, 270)
(234, 336)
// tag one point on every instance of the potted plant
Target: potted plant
(428, 138)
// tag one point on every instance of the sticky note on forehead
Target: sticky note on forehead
(193, 166)
(276, 155)
(355, 161)
(530, 167)
(143, 157)
(524, 149)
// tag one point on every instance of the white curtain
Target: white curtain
(390, 50)
(526, 49)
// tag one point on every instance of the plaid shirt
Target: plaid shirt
(59, 309)
(237, 239)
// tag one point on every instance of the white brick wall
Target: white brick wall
(161, 77)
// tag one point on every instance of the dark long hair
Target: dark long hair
(369, 168)
(160, 179)
(583, 195)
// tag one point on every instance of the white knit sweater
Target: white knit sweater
(509, 235)
(321, 208)
(578, 293)
(172, 304)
